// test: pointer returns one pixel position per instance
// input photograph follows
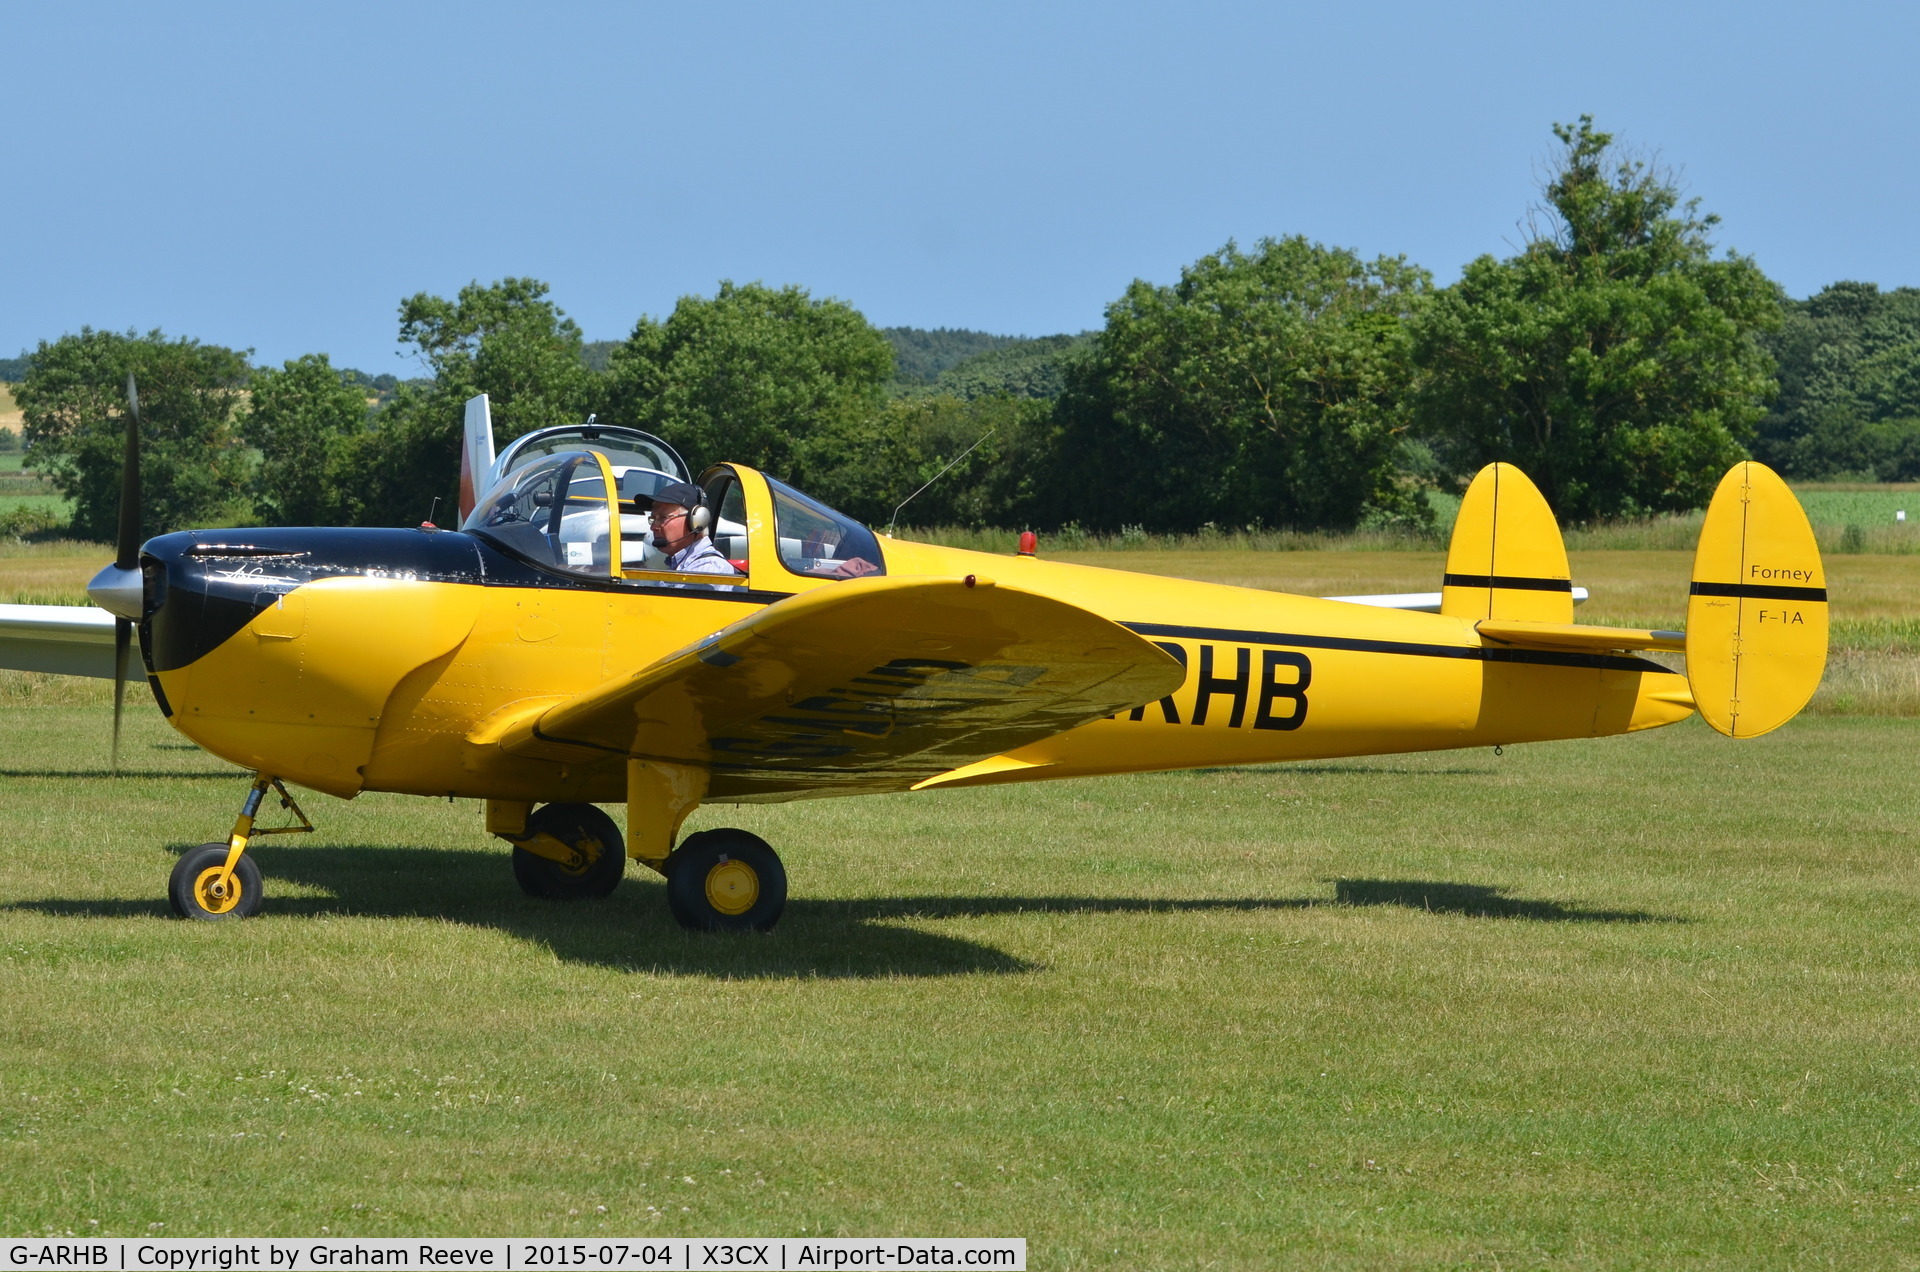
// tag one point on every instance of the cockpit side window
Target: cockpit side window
(553, 512)
(818, 542)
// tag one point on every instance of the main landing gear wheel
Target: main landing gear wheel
(197, 891)
(599, 854)
(726, 881)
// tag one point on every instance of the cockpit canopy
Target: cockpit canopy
(554, 509)
(624, 448)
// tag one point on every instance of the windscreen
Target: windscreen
(624, 449)
(553, 512)
(819, 542)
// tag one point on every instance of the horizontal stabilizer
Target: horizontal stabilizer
(871, 684)
(1757, 616)
(1578, 636)
(61, 640)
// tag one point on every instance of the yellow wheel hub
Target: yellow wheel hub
(214, 896)
(732, 887)
(585, 853)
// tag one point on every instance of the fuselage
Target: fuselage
(350, 660)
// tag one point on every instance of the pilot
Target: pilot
(679, 530)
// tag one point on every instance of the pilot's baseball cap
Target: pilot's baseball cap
(684, 493)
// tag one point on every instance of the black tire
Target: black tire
(587, 831)
(189, 887)
(726, 881)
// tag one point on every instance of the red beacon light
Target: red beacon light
(1029, 543)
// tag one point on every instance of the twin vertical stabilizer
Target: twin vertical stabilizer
(1507, 560)
(1756, 638)
(1757, 616)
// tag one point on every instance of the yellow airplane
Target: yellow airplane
(542, 660)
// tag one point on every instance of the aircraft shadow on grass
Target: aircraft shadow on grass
(171, 775)
(858, 938)
(1298, 768)
(1474, 900)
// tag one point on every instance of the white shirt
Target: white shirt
(701, 557)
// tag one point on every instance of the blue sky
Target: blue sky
(279, 176)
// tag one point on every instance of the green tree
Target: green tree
(1264, 388)
(1027, 368)
(990, 443)
(771, 378)
(74, 397)
(1614, 359)
(1849, 401)
(921, 356)
(506, 340)
(301, 417)
(389, 474)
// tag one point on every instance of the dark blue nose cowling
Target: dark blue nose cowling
(202, 586)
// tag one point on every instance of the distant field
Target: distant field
(1863, 506)
(1831, 507)
(22, 489)
(53, 505)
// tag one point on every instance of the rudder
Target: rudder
(1757, 609)
(1506, 559)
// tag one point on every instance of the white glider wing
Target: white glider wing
(61, 640)
(1424, 602)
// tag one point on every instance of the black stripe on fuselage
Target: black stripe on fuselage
(1415, 649)
(1507, 582)
(1758, 591)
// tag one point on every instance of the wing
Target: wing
(870, 684)
(62, 640)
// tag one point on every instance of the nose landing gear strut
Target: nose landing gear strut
(217, 880)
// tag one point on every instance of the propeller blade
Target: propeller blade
(122, 640)
(127, 545)
(126, 558)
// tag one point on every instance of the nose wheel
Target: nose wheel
(201, 887)
(726, 881)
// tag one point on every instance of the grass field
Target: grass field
(1643, 1002)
